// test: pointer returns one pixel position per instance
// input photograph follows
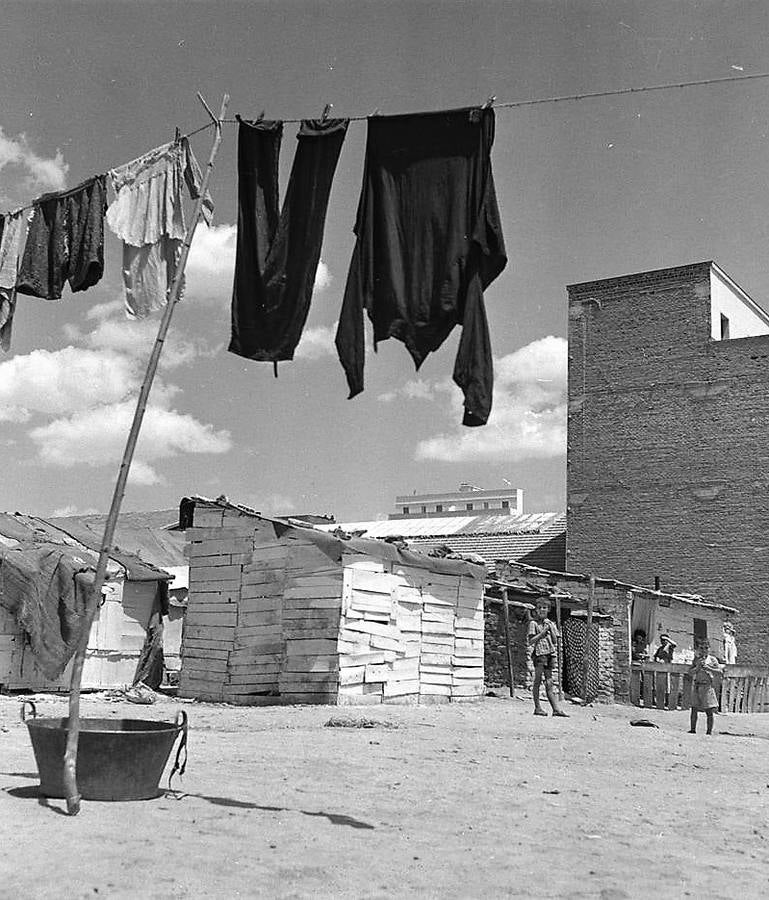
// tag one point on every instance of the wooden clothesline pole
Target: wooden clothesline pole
(73, 726)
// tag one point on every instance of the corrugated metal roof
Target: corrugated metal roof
(527, 523)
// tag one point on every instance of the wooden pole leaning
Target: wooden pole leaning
(73, 725)
(559, 645)
(588, 629)
(508, 641)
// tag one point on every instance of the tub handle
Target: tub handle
(180, 763)
(31, 704)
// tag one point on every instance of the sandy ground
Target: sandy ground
(472, 800)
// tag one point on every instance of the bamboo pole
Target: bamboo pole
(73, 724)
(588, 629)
(508, 642)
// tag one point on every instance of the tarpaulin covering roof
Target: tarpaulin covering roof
(144, 545)
(334, 545)
(45, 586)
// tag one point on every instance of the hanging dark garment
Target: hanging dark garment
(429, 241)
(65, 241)
(277, 254)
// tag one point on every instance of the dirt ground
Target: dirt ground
(472, 800)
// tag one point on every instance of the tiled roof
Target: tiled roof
(537, 539)
(528, 523)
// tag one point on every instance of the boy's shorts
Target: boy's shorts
(545, 660)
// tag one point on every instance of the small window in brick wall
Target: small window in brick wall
(700, 631)
(724, 327)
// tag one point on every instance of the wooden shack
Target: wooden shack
(133, 590)
(281, 612)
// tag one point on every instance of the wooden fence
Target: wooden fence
(741, 689)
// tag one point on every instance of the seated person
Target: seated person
(664, 652)
(639, 650)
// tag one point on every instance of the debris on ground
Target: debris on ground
(357, 722)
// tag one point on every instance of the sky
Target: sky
(587, 189)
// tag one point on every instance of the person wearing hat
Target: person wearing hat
(664, 653)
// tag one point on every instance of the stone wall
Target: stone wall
(668, 446)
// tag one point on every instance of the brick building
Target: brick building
(668, 439)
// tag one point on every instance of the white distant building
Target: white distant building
(468, 500)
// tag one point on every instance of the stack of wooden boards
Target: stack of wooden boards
(274, 617)
(408, 634)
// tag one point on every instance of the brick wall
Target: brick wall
(668, 445)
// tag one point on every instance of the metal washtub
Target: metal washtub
(117, 759)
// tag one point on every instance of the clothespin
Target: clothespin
(489, 103)
(177, 135)
(376, 112)
(260, 117)
(326, 110)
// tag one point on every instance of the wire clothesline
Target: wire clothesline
(510, 104)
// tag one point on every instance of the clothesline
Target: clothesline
(513, 104)
(509, 104)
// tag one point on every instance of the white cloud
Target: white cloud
(323, 278)
(72, 510)
(411, 390)
(316, 342)
(62, 381)
(96, 437)
(79, 401)
(528, 418)
(40, 172)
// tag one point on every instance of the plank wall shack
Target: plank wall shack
(619, 609)
(285, 613)
(133, 591)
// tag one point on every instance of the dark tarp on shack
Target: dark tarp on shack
(46, 588)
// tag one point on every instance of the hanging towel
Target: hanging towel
(429, 241)
(12, 242)
(147, 214)
(277, 254)
(65, 242)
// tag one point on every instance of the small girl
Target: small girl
(704, 697)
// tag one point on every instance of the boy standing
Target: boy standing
(704, 697)
(543, 639)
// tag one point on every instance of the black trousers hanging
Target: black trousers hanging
(277, 254)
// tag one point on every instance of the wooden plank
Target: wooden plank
(352, 675)
(469, 690)
(635, 686)
(686, 693)
(376, 672)
(401, 688)
(210, 632)
(442, 690)
(359, 659)
(436, 659)
(648, 687)
(305, 647)
(206, 618)
(206, 533)
(738, 705)
(750, 703)
(205, 644)
(379, 642)
(660, 689)
(674, 690)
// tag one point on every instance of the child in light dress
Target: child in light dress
(703, 668)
